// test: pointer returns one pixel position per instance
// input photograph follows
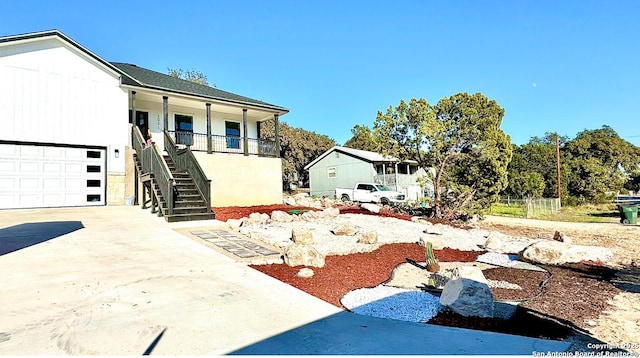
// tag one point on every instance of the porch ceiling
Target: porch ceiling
(200, 105)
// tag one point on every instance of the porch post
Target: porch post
(133, 108)
(277, 133)
(209, 146)
(384, 174)
(245, 139)
(165, 112)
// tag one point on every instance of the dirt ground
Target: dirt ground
(619, 324)
(623, 240)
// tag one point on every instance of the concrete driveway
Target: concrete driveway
(120, 281)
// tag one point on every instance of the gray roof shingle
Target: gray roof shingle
(139, 76)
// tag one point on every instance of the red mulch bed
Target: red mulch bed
(553, 302)
(237, 212)
(551, 305)
(342, 274)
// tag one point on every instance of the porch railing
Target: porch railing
(187, 162)
(152, 163)
(397, 180)
(225, 144)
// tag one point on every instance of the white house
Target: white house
(70, 122)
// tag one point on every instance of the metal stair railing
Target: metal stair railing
(186, 161)
(152, 162)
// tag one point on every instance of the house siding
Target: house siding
(50, 92)
(349, 170)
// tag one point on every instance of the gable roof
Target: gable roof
(367, 156)
(141, 77)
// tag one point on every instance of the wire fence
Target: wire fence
(528, 208)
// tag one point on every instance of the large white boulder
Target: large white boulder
(235, 224)
(302, 236)
(505, 244)
(256, 219)
(469, 294)
(345, 229)
(303, 255)
(551, 252)
(281, 216)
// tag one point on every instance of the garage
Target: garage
(34, 175)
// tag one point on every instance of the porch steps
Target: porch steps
(189, 204)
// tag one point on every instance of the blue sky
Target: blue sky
(562, 66)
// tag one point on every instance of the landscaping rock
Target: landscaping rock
(289, 201)
(303, 255)
(558, 236)
(281, 216)
(327, 202)
(234, 224)
(345, 229)
(256, 219)
(306, 201)
(331, 212)
(551, 252)
(505, 244)
(305, 273)
(469, 294)
(302, 236)
(310, 215)
(368, 237)
(371, 207)
(301, 196)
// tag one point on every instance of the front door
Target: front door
(142, 121)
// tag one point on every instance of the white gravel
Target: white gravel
(392, 302)
(390, 230)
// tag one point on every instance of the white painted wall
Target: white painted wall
(51, 92)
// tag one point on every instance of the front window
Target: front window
(331, 172)
(184, 129)
(232, 132)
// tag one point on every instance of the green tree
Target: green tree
(298, 147)
(363, 138)
(600, 163)
(539, 156)
(461, 137)
(527, 184)
(189, 75)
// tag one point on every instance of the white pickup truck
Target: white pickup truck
(370, 192)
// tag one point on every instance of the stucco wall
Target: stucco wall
(238, 180)
(349, 170)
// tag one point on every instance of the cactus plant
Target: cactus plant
(432, 262)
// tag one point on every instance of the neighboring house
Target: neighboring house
(74, 127)
(341, 167)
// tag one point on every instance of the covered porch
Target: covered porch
(204, 126)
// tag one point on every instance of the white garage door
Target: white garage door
(35, 176)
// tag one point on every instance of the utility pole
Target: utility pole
(558, 165)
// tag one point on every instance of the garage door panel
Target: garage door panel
(29, 167)
(49, 176)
